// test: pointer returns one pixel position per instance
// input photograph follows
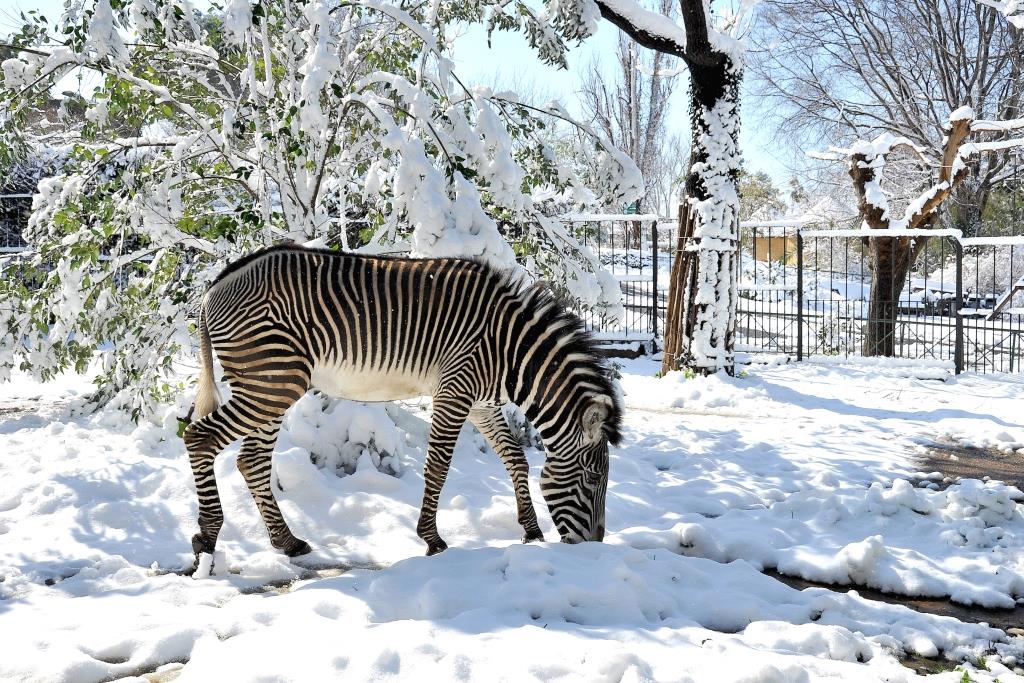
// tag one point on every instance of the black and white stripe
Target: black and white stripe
(373, 328)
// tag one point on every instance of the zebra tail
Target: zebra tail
(208, 397)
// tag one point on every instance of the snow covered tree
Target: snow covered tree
(892, 257)
(212, 135)
(1013, 9)
(701, 318)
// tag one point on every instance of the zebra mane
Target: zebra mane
(576, 340)
(241, 263)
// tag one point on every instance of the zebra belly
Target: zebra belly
(345, 381)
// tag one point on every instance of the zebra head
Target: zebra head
(575, 475)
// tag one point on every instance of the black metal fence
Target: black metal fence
(14, 213)
(636, 250)
(806, 292)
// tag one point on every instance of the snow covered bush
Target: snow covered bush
(839, 332)
(211, 135)
(343, 440)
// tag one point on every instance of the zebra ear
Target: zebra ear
(594, 417)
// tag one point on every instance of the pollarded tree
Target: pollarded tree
(892, 256)
(213, 135)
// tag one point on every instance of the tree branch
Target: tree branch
(646, 27)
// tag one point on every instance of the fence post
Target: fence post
(654, 286)
(799, 295)
(958, 353)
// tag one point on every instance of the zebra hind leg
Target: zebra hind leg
(491, 422)
(254, 462)
(450, 412)
(204, 439)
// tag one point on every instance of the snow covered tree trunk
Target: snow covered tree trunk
(701, 319)
(701, 323)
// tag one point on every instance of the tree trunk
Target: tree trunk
(701, 321)
(634, 234)
(681, 280)
(891, 259)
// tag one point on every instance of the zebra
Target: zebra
(373, 328)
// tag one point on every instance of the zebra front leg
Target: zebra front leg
(491, 422)
(450, 414)
(254, 462)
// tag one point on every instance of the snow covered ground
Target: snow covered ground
(807, 469)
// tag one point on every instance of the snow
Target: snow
(649, 22)
(805, 468)
(1013, 10)
(103, 35)
(964, 113)
(237, 20)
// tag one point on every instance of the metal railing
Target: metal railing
(805, 291)
(961, 303)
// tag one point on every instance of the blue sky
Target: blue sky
(510, 63)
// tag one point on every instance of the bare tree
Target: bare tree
(631, 110)
(853, 69)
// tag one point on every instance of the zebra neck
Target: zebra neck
(550, 366)
(552, 398)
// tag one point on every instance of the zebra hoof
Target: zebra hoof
(203, 549)
(296, 547)
(436, 547)
(532, 536)
(201, 545)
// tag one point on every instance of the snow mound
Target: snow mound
(966, 542)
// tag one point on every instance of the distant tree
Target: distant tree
(1004, 214)
(630, 108)
(797, 194)
(759, 198)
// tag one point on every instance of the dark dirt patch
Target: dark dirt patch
(1003, 619)
(953, 462)
(966, 462)
(1009, 620)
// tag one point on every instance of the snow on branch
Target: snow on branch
(650, 29)
(868, 159)
(338, 122)
(1013, 10)
(702, 35)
